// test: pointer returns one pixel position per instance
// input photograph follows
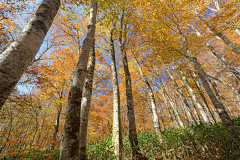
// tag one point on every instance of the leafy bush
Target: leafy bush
(193, 142)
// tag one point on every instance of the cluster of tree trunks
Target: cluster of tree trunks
(15, 60)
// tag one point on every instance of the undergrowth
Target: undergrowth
(193, 142)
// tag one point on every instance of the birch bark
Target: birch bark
(195, 99)
(155, 118)
(197, 118)
(117, 128)
(69, 148)
(205, 104)
(85, 104)
(18, 56)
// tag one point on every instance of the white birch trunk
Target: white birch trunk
(85, 105)
(69, 148)
(196, 116)
(117, 128)
(195, 99)
(205, 103)
(237, 31)
(155, 118)
(18, 56)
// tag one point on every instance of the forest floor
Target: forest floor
(193, 142)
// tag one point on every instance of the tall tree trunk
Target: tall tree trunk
(172, 116)
(56, 127)
(117, 127)
(205, 103)
(196, 116)
(236, 92)
(18, 56)
(70, 135)
(195, 99)
(183, 99)
(85, 104)
(172, 104)
(132, 132)
(153, 103)
(224, 100)
(217, 93)
(219, 34)
(218, 105)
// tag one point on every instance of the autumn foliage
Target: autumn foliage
(33, 116)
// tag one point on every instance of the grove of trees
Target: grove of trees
(76, 73)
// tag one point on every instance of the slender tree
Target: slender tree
(56, 127)
(132, 132)
(70, 135)
(183, 99)
(117, 128)
(195, 98)
(205, 103)
(85, 105)
(172, 104)
(155, 118)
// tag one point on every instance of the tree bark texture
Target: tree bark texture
(155, 118)
(18, 56)
(85, 105)
(70, 135)
(117, 127)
